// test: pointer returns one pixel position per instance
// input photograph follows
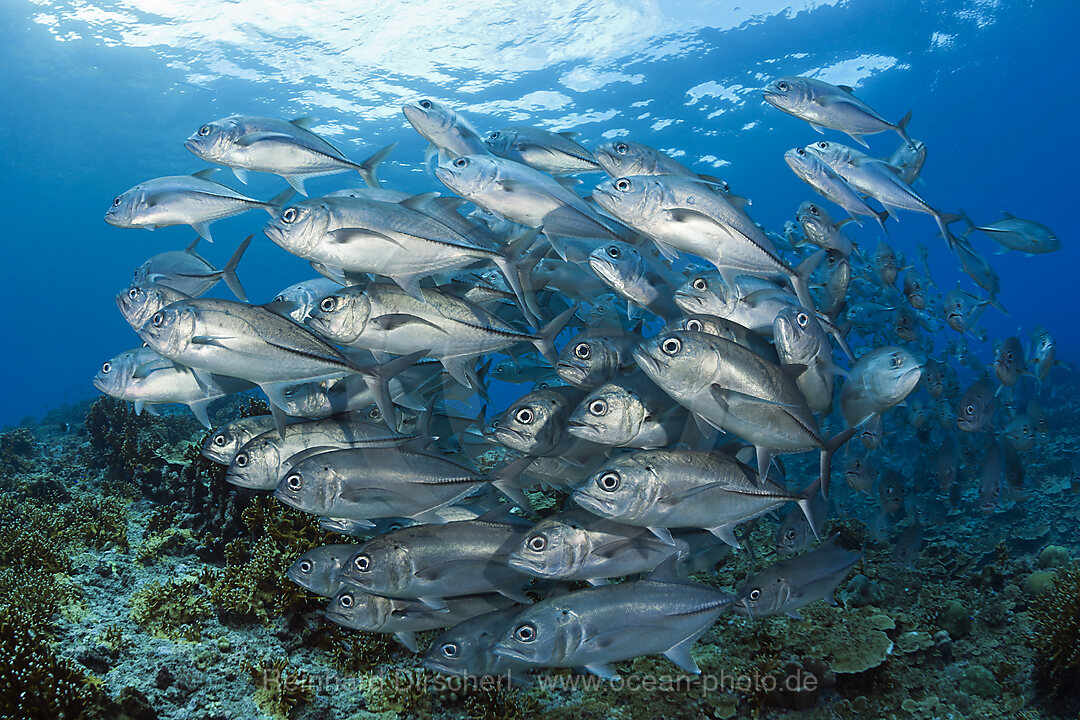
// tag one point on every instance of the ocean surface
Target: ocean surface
(166, 595)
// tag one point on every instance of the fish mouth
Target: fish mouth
(504, 648)
(646, 361)
(563, 368)
(590, 503)
(436, 666)
(603, 268)
(692, 300)
(505, 434)
(241, 481)
(524, 565)
(99, 384)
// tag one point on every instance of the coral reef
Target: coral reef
(1056, 618)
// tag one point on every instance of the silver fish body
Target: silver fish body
(790, 584)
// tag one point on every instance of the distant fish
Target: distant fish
(789, 585)
(552, 152)
(1013, 233)
(824, 105)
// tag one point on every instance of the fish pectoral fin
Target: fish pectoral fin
(434, 603)
(393, 321)
(680, 654)
(664, 534)
(686, 215)
(198, 409)
(725, 396)
(727, 534)
(203, 230)
(688, 493)
(345, 235)
(603, 670)
(408, 639)
(410, 284)
(362, 495)
(210, 340)
(308, 452)
(252, 138)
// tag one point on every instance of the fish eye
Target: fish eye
(294, 481)
(755, 594)
(583, 350)
(106, 367)
(305, 567)
(694, 325)
(328, 304)
(525, 416)
(897, 361)
(375, 414)
(622, 184)
(279, 298)
(116, 201)
(493, 135)
(241, 460)
(525, 632)
(800, 151)
(613, 251)
(346, 600)
(449, 650)
(823, 145)
(157, 319)
(133, 293)
(790, 534)
(426, 104)
(609, 481)
(813, 209)
(537, 543)
(783, 86)
(701, 284)
(802, 318)
(362, 563)
(1009, 355)
(598, 407)
(671, 346)
(289, 215)
(461, 162)
(204, 131)
(621, 148)
(969, 410)
(219, 440)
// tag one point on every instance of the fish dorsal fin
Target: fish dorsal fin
(568, 182)
(570, 134)
(305, 123)
(205, 174)
(420, 202)
(846, 88)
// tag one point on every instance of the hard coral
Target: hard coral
(172, 609)
(278, 689)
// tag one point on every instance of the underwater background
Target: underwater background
(136, 583)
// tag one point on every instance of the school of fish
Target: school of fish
(697, 349)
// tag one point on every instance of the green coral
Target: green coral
(17, 451)
(252, 585)
(174, 609)
(279, 690)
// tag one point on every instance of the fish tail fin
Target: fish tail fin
(993, 302)
(368, 167)
(509, 263)
(378, 378)
(901, 128)
(274, 204)
(505, 481)
(881, 217)
(834, 444)
(800, 278)
(228, 273)
(545, 343)
(806, 504)
(968, 223)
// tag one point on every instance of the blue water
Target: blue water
(100, 96)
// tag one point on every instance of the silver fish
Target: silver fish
(319, 570)
(551, 152)
(595, 355)
(263, 461)
(283, 147)
(801, 341)
(468, 648)
(879, 379)
(824, 105)
(432, 562)
(594, 627)
(447, 130)
(536, 423)
(629, 412)
(821, 230)
(827, 183)
(661, 489)
(145, 378)
(631, 274)
(223, 443)
(189, 273)
(193, 200)
(140, 301)
(1013, 233)
(790, 584)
